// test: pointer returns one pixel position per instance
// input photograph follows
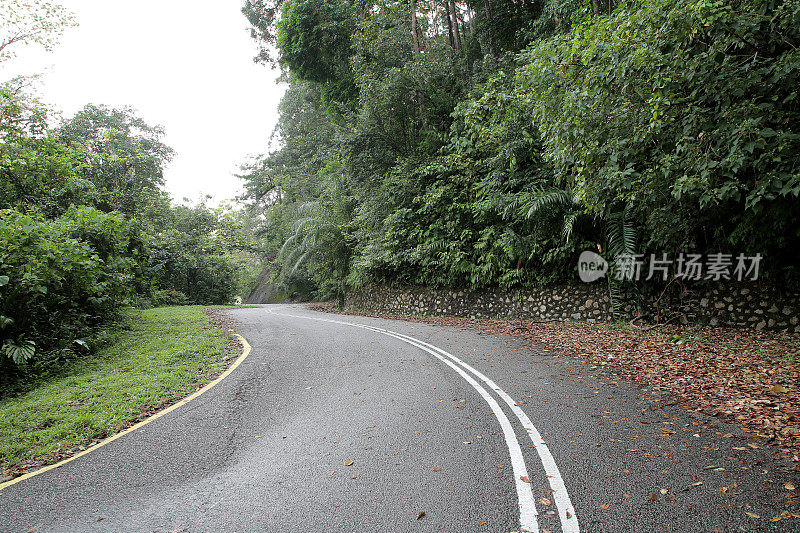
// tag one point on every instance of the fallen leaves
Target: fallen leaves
(783, 516)
(420, 515)
(348, 463)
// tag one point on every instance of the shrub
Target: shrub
(61, 278)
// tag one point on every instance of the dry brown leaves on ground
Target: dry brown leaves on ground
(747, 377)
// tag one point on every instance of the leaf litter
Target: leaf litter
(750, 378)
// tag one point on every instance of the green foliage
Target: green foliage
(86, 228)
(318, 239)
(263, 16)
(405, 100)
(31, 23)
(314, 42)
(62, 276)
(35, 168)
(192, 261)
(684, 112)
(488, 143)
(121, 156)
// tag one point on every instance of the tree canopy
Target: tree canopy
(486, 143)
(86, 228)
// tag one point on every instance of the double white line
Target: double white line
(527, 504)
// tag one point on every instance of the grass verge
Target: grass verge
(161, 356)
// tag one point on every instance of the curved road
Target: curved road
(339, 423)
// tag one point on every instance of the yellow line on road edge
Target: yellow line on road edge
(245, 353)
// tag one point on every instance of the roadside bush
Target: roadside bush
(195, 258)
(684, 112)
(169, 297)
(61, 278)
(193, 269)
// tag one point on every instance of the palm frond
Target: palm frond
(621, 239)
(287, 245)
(300, 261)
(569, 224)
(300, 224)
(621, 233)
(542, 198)
(309, 208)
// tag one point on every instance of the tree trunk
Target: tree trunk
(449, 24)
(596, 8)
(456, 31)
(487, 5)
(414, 35)
(420, 39)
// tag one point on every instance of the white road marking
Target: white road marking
(566, 512)
(527, 503)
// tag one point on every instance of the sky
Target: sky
(187, 66)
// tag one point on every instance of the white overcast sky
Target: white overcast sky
(184, 65)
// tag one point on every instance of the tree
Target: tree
(685, 115)
(61, 278)
(36, 168)
(263, 16)
(123, 157)
(486, 142)
(319, 240)
(31, 22)
(313, 38)
(196, 257)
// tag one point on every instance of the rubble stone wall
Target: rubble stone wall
(749, 305)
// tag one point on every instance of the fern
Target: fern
(543, 198)
(621, 239)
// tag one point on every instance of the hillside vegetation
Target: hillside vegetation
(486, 143)
(86, 228)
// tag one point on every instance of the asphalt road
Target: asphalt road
(331, 425)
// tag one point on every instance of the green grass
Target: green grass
(163, 355)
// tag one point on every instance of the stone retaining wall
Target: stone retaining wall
(744, 305)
